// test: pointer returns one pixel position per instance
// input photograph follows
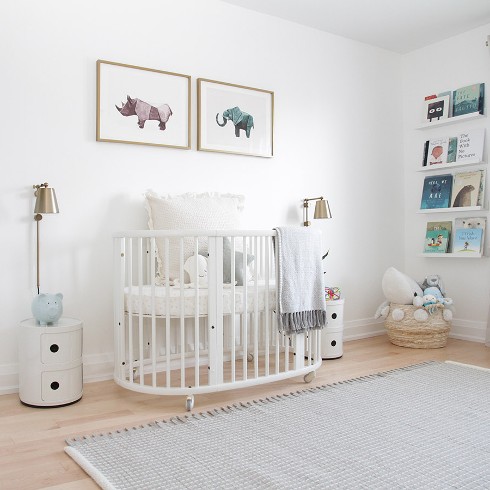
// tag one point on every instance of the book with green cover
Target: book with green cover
(441, 225)
(469, 99)
(436, 241)
(436, 192)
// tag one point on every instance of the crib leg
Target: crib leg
(189, 403)
(309, 377)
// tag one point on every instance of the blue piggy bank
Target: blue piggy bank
(47, 308)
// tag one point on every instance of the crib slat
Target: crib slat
(233, 309)
(256, 309)
(167, 310)
(129, 264)
(196, 318)
(182, 319)
(266, 304)
(141, 341)
(153, 315)
(245, 310)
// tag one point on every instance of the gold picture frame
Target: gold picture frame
(156, 105)
(250, 110)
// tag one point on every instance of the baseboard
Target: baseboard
(100, 367)
(468, 330)
(362, 329)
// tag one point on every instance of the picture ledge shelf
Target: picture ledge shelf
(447, 166)
(452, 120)
(453, 255)
(451, 210)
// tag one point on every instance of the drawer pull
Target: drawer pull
(55, 385)
(54, 348)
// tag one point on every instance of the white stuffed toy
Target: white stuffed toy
(401, 289)
(197, 274)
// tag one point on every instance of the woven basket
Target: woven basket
(408, 332)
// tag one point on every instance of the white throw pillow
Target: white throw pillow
(207, 211)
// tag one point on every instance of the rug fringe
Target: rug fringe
(182, 419)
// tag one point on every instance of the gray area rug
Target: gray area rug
(422, 427)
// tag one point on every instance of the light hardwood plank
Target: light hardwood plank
(32, 440)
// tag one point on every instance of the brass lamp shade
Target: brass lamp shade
(322, 210)
(46, 201)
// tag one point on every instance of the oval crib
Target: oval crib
(176, 338)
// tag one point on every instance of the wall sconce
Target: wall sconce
(46, 203)
(322, 209)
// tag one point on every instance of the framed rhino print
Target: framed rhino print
(142, 105)
(234, 119)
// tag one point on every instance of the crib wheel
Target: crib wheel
(250, 357)
(189, 403)
(309, 377)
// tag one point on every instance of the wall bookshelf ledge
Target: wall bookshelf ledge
(450, 255)
(448, 166)
(452, 120)
(451, 210)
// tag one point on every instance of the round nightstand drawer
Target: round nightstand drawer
(50, 362)
(60, 387)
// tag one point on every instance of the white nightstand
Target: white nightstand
(50, 363)
(333, 333)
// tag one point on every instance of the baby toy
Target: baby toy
(434, 299)
(47, 308)
(401, 289)
(197, 274)
(433, 281)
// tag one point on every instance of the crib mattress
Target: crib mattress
(138, 300)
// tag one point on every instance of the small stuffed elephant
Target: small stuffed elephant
(47, 308)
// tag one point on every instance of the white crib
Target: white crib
(181, 340)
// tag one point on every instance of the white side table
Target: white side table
(50, 363)
(333, 333)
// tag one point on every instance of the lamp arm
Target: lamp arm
(38, 217)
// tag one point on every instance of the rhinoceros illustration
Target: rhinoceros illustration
(146, 112)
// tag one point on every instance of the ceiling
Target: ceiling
(397, 25)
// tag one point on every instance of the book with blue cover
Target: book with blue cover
(467, 241)
(436, 192)
(469, 99)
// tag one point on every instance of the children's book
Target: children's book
(468, 241)
(436, 241)
(436, 109)
(437, 151)
(466, 188)
(425, 153)
(470, 146)
(452, 149)
(469, 99)
(444, 226)
(471, 224)
(436, 192)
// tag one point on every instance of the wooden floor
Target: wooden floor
(32, 440)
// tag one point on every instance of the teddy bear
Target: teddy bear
(401, 289)
(433, 299)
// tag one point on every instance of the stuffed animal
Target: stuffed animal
(434, 299)
(433, 281)
(197, 275)
(401, 289)
(47, 308)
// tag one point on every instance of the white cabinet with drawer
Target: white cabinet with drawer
(50, 363)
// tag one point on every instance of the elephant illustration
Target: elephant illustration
(146, 112)
(240, 119)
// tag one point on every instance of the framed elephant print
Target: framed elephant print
(234, 119)
(143, 106)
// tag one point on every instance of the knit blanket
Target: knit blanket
(300, 288)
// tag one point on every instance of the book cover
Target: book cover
(481, 191)
(424, 154)
(472, 223)
(470, 146)
(436, 109)
(437, 151)
(466, 188)
(452, 149)
(469, 99)
(436, 241)
(436, 192)
(467, 240)
(442, 225)
(449, 95)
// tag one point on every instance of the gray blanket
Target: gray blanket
(300, 289)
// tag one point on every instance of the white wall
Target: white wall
(456, 62)
(337, 127)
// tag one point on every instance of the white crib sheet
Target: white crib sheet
(132, 299)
